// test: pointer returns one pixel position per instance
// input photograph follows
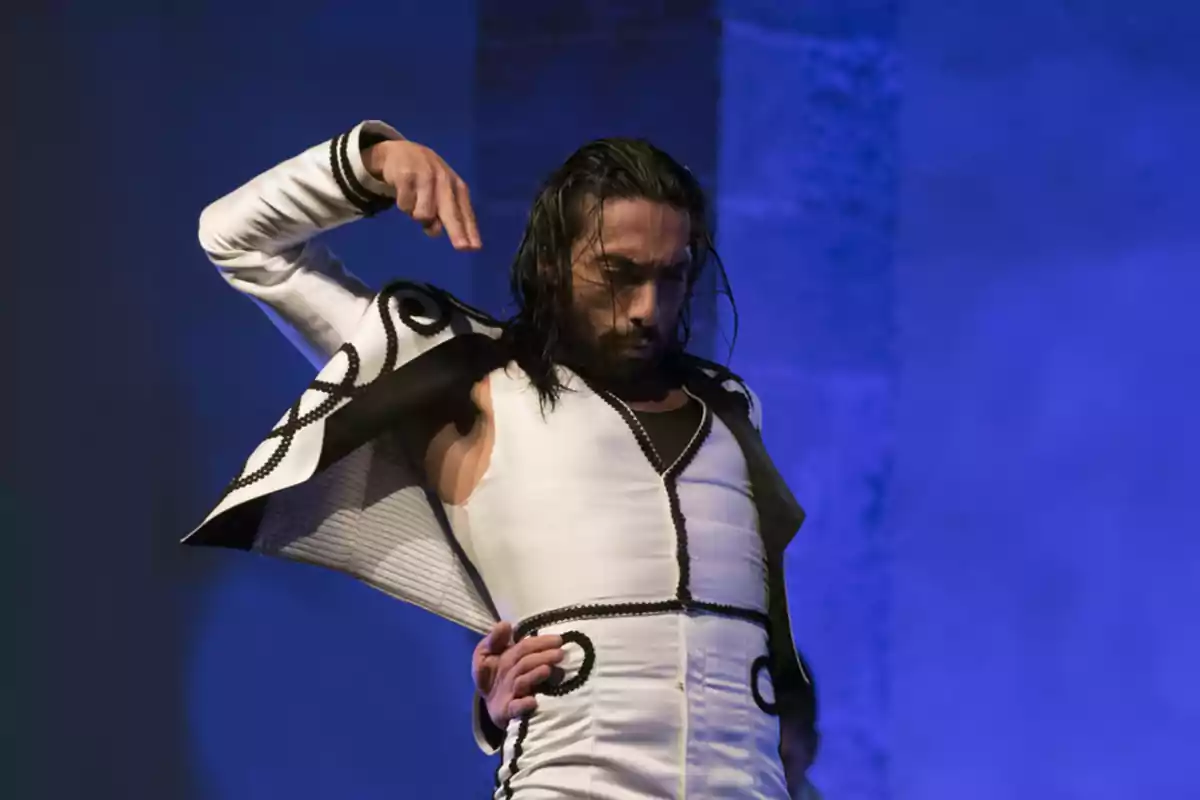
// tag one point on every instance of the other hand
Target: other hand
(426, 190)
(506, 674)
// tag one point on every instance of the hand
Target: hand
(795, 750)
(426, 190)
(507, 674)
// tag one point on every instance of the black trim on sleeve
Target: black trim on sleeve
(367, 202)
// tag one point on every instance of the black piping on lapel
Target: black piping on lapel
(456, 364)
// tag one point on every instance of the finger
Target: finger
(426, 209)
(485, 678)
(463, 195)
(406, 194)
(534, 661)
(531, 672)
(450, 215)
(531, 644)
(521, 706)
(484, 669)
(485, 661)
(498, 639)
(524, 685)
(433, 229)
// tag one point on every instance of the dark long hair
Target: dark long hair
(569, 206)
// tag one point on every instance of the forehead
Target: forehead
(645, 231)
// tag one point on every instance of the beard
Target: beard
(635, 365)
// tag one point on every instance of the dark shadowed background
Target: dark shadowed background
(963, 239)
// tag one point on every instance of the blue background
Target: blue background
(963, 241)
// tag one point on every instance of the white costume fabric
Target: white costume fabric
(656, 575)
(577, 532)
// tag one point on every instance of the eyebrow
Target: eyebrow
(617, 260)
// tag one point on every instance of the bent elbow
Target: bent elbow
(213, 235)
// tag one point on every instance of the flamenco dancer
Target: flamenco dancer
(569, 482)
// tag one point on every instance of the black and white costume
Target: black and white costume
(663, 575)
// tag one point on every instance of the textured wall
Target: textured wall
(808, 206)
(1046, 549)
(1006, 612)
(552, 76)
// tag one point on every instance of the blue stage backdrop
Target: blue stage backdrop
(963, 242)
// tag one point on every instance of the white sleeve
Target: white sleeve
(261, 239)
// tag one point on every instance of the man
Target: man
(571, 469)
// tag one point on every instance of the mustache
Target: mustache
(631, 338)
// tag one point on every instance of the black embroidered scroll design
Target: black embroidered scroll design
(295, 421)
(756, 669)
(585, 669)
(424, 309)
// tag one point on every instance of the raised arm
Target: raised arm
(262, 235)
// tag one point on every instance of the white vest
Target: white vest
(571, 511)
(655, 576)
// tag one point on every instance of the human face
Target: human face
(630, 283)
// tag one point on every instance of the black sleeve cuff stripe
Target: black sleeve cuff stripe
(375, 202)
(367, 202)
(335, 165)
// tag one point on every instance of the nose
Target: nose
(643, 305)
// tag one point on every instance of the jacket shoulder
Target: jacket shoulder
(731, 382)
(428, 310)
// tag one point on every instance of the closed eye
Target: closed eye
(626, 271)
